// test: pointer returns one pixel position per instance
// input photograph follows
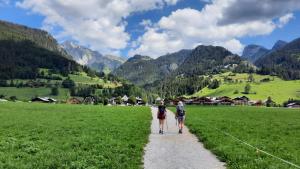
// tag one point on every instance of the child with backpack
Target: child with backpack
(180, 115)
(161, 115)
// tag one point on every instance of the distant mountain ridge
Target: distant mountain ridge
(284, 62)
(253, 52)
(93, 59)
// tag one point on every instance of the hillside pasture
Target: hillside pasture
(279, 90)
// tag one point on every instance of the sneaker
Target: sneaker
(159, 131)
(162, 132)
(180, 131)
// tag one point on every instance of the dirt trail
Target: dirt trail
(174, 151)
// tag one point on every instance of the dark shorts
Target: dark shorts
(180, 118)
(160, 117)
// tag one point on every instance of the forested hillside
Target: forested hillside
(142, 70)
(15, 32)
(284, 62)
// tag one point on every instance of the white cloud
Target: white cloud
(185, 28)
(96, 23)
(285, 19)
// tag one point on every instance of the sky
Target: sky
(157, 27)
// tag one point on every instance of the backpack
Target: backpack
(161, 111)
(180, 112)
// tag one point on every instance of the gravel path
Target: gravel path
(174, 151)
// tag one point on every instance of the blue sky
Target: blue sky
(169, 25)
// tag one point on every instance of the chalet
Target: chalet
(112, 101)
(43, 100)
(139, 101)
(124, 99)
(158, 100)
(200, 101)
(241, 100)
(89, 100)
(256, 103)
(74, 100)
(293, 105)
(224, 100)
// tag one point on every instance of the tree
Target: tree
(118, 100)
(3, 83)
(251, 78)
(270, 102)
(105, 101)
(145, 99)
(68, 83)
(11, 84)
(247, 88)
(132, 100)
(214, 84)
(2, 96)
(54, 91)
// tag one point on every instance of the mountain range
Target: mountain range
(92, 59)
(253, 52)
(203, 60)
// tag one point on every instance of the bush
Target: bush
(68, 83)
(247, 88)
(236, 92)
(13, 98)
(132, 100)
(214, 84)
(54, 91)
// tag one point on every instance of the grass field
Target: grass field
(66, 136)
(278, 89)
(27, 93)
(275, 130)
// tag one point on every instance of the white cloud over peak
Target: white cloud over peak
(96, 23)
(186, 28)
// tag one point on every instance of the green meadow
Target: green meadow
(36, 135)
(27, 93)
(274, 130)
(279, 90)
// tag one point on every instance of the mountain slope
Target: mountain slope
(11, 31)
(205, 60)
(254, 52)
(143, 70)
(93, 59)
(279, 45)
(284, 62)
(24, 50)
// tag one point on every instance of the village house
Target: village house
(241, 100)
(43, 100)
(89, 100)
(74, 100)
(293, 105)
(125, 99)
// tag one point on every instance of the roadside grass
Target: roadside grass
(27, 93)
(41, 136)
(275, 130)
(279, 90)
